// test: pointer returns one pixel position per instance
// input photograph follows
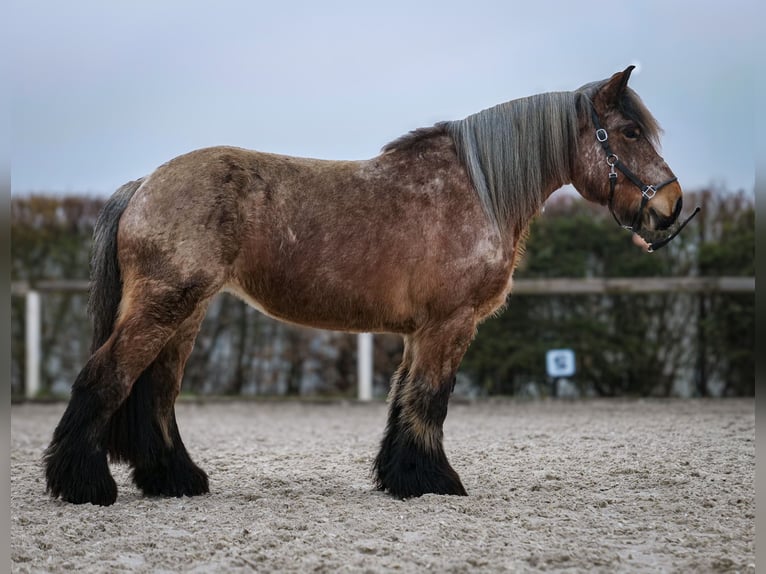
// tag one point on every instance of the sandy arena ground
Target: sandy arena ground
(596, 486)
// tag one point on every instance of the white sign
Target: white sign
(560, 362)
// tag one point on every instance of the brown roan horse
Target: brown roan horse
(421, 240)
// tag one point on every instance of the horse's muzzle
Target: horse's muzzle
(662, 222)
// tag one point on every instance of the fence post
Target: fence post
(364, 366)
(32, 368)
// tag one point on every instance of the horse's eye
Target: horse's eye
(632, 133)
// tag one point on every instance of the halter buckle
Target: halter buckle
(601, 135)
(611, 161)
(649, 191)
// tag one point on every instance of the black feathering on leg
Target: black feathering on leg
(135, 437)
(132, 432)
(406, 466)
(76, 468)
(172, 473)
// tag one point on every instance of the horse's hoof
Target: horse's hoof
(104, 494)
(81, 479)
(405, 476)
(173, 477)
(409, 485)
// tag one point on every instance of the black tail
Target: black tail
(105, 277)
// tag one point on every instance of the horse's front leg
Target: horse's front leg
(411, 461)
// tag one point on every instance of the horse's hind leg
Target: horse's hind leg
(144, 432)
(411, 461)
(76, 465)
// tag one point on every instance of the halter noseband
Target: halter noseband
(648, 191)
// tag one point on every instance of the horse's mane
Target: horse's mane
(514, 150)
(415, 138)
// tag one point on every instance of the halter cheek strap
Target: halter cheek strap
(648, 191)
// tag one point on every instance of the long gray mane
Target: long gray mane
(515, 150)
(512, 151)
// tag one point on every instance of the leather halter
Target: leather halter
(648, 191)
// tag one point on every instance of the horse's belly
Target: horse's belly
(326, 306)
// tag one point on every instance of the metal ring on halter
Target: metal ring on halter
(601, 135)
(612, 159)
(649, 191)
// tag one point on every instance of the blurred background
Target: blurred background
(104, 93)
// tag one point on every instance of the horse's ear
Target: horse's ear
(613, 90)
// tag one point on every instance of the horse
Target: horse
(421, 241)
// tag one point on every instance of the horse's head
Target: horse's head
(618, 164)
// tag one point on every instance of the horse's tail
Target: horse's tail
(105, 276)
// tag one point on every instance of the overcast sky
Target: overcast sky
(104, 92)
